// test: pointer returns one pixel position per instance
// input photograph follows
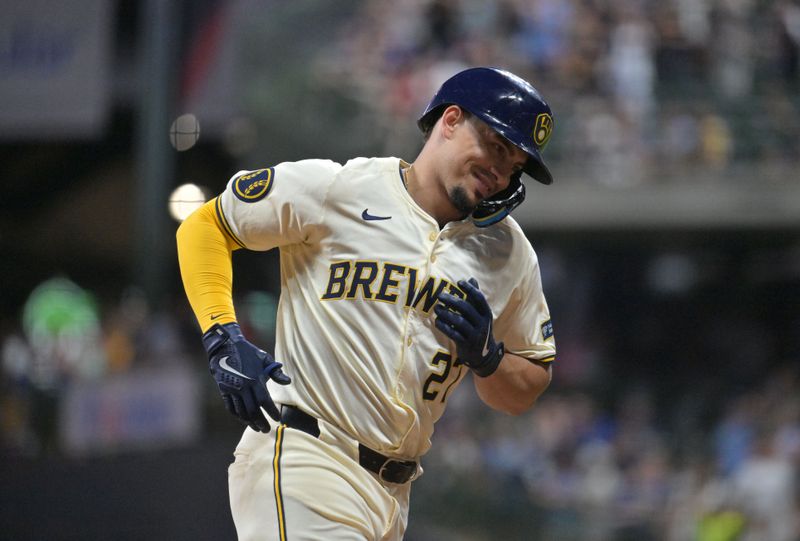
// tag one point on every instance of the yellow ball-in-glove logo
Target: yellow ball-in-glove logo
(543, 129)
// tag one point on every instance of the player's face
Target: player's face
(482, 164)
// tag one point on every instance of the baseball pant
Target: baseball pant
(287, 485)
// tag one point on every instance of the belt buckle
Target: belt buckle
(415, 474)
(383, 469)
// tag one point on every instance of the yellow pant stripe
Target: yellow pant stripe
(276, 468)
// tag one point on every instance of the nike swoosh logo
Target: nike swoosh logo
(223, 363)
(215, 317)
(485, 351)
(367, 216)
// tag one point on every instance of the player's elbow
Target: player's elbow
(518, 407)
(514, 406)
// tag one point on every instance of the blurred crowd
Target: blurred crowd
(69, 344)
(581, 471)
(642, 89)
(689, 458)
(66, 338)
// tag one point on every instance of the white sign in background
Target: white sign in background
(144, 409)
(55, 63)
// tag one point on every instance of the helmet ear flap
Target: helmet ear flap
(493, 210)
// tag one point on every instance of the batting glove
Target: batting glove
(468, 323)
(241, 371)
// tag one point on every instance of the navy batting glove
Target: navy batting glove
(241, 371)
(468, 323)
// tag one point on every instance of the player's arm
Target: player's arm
(516, 384)
(204, 255)
(239, 367)
(504, 381)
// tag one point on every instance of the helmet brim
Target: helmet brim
(534, 167)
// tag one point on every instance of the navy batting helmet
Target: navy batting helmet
(513, 108)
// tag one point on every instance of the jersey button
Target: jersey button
(432, 237)
(433, 258)
(409, 341)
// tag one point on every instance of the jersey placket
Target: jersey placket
(420, 344)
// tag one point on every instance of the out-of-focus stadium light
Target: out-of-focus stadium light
(185, 199)
(184, 132)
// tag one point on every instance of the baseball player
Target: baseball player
(397, 280)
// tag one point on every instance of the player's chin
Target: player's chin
(463, 200)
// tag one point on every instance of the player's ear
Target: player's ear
(451, 118)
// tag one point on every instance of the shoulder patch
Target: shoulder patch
(547, 329)
(254, 186)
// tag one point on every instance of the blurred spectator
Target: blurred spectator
(62, 326)
(716, 142)
(630, 66)
(789, 21)
(443, 21)
(652, 65)
(732, 49)
(765, 492)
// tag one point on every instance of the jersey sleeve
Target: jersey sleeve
(524, 325)
(276, 206)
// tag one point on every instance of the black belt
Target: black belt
(388, 469)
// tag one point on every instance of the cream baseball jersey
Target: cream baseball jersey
(361, 267)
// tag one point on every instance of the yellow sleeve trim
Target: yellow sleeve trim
(204, 255)
(223, 222)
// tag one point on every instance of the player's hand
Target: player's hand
(468, 323)
(241, 371)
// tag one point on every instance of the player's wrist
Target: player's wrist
(488, 364)
(219, 334)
